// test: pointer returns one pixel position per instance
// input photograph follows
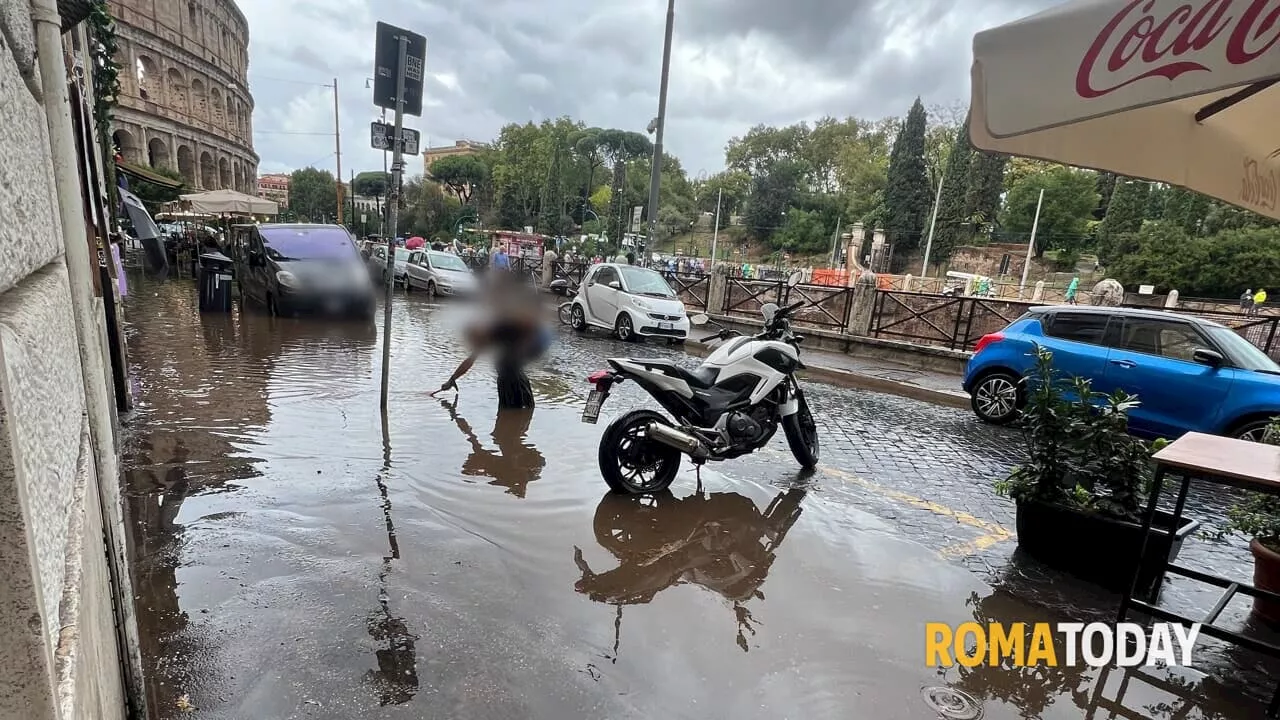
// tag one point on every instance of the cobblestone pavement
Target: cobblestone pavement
(295, 555)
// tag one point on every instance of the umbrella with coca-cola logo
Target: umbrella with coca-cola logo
(1185, 92)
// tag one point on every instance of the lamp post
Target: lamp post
(655, 173)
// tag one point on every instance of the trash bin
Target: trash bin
(215, 282)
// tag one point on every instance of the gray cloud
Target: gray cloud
(736, 63)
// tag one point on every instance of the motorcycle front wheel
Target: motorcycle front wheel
(631, 462)
(566, 314)
(802, 434)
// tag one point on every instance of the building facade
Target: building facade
(274, 188)
(184, 103)
(460, 147)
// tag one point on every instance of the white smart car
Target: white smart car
(630, 301)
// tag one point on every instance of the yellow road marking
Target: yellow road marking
(992, 533)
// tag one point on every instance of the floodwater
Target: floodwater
(296, 556)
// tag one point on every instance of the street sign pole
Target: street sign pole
(397, 169)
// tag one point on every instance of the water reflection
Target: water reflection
(516, 462)
(720, 541)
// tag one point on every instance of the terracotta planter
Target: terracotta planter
(1266, 576)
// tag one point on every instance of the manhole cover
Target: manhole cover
(951, 704)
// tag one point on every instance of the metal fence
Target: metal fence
(824, 306)
(955, 323)
(692, 288)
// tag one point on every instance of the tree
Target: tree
(460, 173)
(153, 195)
(763, 146)
(1106, 186)
(621, 147)
(1218, 266)
(1070, 195)
(986, 186)
(771, 195)
(1125, 214)
(952, 223)
(803, 232)
(371, 184)
(552, 219)
(313, 194)
(907, 198)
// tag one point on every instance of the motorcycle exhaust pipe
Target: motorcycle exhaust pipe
(682, 441)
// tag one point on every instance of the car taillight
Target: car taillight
(986, 340)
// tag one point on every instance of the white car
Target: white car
(439, 273)
(630, 301)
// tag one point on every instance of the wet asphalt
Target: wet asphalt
(296, 556)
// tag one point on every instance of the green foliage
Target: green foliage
(805, 232)
(1125, 213)
(1106, 186)
(986, 186)
(1258, 516)
(371, 184)
(313, 194)
(952, 226)
(1079, 451)
(106, 73)
(153, 195)
(1222, 265)
(907, 196)
(462, 174)
(1070, 195)
(771, 195)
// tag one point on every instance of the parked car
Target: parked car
(439, 273)
(1190, 374)
(630, 301)
(293, 269)
(377, 262)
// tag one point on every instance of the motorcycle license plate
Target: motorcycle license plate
(591, 413)
(665, 326)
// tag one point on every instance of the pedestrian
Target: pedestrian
(1071, 290)
(1259, 298)
(499, 260)
(631, 258)
(549, 259)
(514, 333)
(1246, 301)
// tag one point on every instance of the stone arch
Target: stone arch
(150, 82)
(224, 173)
(157, 153)
(237, 175)
(233, 114)
(187, 165)
(208, 171)
(199, 100)
(217, 112)
(176, 91)
(128, 145)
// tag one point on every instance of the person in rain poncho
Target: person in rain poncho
(1259, 298)
(1072, 289)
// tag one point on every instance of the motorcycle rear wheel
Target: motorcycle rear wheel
(802, 435)
(566, 314)
(633, 464)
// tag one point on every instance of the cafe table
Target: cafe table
(1218, 461)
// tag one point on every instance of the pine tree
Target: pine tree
(1106, 186)
(553, 195)
(952, 226)
(986, 186)
(907, 198)
(1186, 209)
(1118, 232)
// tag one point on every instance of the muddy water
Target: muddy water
(295, 556)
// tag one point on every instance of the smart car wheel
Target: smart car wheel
(623, 329)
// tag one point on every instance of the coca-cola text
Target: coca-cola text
(1259, 185)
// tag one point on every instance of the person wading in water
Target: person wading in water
(514, 331)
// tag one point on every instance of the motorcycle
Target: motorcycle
(730, 406)
(567, 289)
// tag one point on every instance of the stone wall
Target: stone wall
(58, 651)
(184, 102)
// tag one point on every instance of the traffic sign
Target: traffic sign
(386, 59)
(382, 137)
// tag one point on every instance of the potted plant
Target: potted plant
(1081, 492)
(1258, 518)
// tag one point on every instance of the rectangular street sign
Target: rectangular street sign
(382, 137)
(386, 56)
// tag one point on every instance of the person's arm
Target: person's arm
(452, 382)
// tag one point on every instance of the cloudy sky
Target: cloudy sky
(735, 63)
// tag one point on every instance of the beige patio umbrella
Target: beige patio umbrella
(218, 202)
(1178, 91)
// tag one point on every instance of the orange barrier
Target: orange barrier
(829, 276)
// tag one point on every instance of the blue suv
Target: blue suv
(1190, 374)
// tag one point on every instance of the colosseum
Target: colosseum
(184, 100)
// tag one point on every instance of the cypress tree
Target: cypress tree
(986, 186)
(952, 225)
(907, 197)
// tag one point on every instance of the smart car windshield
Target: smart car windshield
(641, 281)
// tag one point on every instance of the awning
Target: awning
(230, 202)
(138, 172)
(1177, 91)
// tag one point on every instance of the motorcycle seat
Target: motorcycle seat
(703, 377)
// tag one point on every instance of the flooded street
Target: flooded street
(295, 556)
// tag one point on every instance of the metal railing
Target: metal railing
(692, 288)
(955, 323)
(825, 306)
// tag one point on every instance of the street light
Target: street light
(655, 174)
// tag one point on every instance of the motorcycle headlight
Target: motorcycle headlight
(287, 279)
